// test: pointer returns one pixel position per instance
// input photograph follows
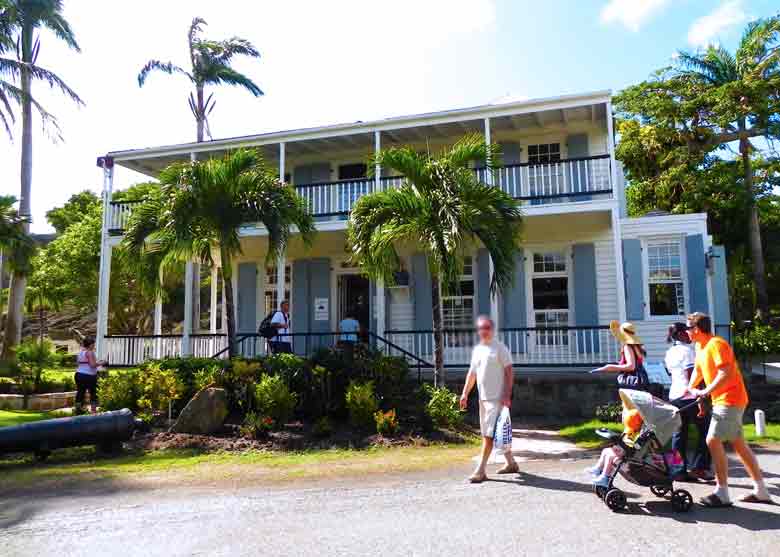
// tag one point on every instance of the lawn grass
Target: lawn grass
(16, 417)
(583, 434)
(183, 465)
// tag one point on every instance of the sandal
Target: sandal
(509, 469)
(477, 479)
(712, 501)
(753, 498)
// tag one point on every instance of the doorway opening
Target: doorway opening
(353, 300)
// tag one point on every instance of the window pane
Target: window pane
(667, 299)
(551, 293)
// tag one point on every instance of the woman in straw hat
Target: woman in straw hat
(631, 367)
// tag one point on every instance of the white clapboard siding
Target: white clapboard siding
(653, 334)
(606, 281)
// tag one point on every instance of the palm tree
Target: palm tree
(442, 209)
(210, 65)
(734, 91)
(16, 245)
(24, 18)
(201, 205)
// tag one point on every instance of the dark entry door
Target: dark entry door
(354, 294)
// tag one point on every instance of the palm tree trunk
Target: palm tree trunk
(754, 231)
(13, 326)
(200, 117)
(439, 378)
(227, 284)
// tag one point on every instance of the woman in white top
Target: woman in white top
(86, 374)
(679, 361)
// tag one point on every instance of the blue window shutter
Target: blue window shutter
(301, 303)
(721, 310)
(421, 282)
(697, 281)
(632, 271)
(586, 310)
(302, 175)
(371, 306)
(483, 281)
(513, 305)
(319, 287)
(247, 297)
(510, 153)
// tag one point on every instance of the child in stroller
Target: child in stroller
(638, 454)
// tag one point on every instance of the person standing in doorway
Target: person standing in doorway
(282, 342)
(717, 366)
(349, 328)
(491, 371)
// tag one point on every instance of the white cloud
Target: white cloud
(632, 14)
(705, 30)
(322, 63)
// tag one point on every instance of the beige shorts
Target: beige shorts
(489, 410)
(726, 423)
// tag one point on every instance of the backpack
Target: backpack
(266, 329)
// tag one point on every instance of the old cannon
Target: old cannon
(106, 431)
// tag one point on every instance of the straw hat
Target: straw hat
(625, 333)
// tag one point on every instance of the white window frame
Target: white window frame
(473, 277)
(270, 287)
(530, 274)
(646, 243)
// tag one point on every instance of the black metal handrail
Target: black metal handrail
(503, 329)
(169, 335)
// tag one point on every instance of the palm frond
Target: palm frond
(53, 20)
(225, 75)
(165, 67)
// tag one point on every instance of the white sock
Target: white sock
(722, 492)
(760, 490)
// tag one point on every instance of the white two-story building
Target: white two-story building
(583, 262)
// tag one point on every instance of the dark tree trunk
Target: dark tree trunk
(439, 377)
(754, 233)
(227, 284)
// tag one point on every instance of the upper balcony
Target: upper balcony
(554, 152)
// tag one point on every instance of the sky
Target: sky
(339, 61)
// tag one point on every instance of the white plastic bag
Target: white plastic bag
(502, 438)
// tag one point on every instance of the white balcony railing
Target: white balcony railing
(132, 350)
(556, 182)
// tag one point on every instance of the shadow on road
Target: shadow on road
(752, 518)
(525, 479)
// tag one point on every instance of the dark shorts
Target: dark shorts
(280, 347)
(85, 383)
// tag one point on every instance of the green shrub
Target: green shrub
(386, 422)
(274, 398)
(256, 426)
(33, 356)
(773, 413)
(160, 388)
(322, 427)
(208, 376)
(361, 403)
(120, 390)
(443, 407)
(609, 412)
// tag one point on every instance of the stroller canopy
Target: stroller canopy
(658, 415)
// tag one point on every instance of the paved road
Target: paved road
(547, 510)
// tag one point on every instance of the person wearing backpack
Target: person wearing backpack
(281, 342)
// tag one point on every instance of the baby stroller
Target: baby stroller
(644, 462)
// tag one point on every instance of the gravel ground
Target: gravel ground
(546, 510)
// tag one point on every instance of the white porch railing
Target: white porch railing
(580, 346)
(337, 198)
(118, 215)
(569, 179)
(132, 350)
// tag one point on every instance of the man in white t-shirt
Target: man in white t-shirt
(282, 342)
(491, 370)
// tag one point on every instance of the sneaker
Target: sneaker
(601, 481)
(594, 470)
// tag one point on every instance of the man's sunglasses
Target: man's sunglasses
(484, 327)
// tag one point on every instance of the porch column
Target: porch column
(489, 181)
(617, 240)
(611, 149)
(224, 310)
(107, 164)
(189, 279)
(213, 300)
(281, 262)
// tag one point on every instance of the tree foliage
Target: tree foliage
(441, 209)
(78, 205)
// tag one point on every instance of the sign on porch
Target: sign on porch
(320, 309)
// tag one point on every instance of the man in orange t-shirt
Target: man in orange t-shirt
(717, 366)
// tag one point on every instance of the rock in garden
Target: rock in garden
(203, 414)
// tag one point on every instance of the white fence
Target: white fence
(529, 346)
(129, 350)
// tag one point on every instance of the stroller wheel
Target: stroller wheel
(682, 501)
(660, 490)
(615, 500)
(600, 491)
